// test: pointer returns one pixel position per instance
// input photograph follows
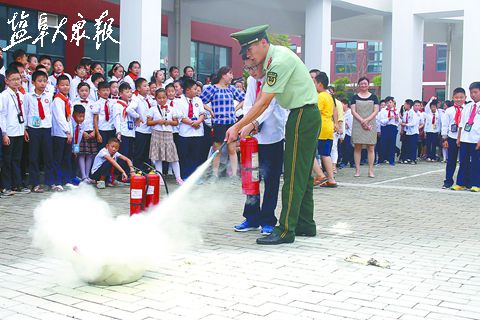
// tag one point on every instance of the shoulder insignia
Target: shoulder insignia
(269, 62)
(271, 78)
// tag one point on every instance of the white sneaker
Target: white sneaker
(56, 188)
(70, 186)
(8, 192)
(101, 184)
(24, 191)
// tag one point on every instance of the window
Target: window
(345, 57)
(164, 53)
(374, 58)
(108, 53)
(55, 50)
(207, 58)
(440, 93)
(441, 58)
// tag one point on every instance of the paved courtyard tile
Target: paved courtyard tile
(429, 236)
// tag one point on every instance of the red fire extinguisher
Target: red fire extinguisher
(137, 193)
(249, 166)
(153, 189)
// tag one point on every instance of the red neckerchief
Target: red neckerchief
(125, 106)
(22, 90)
(458, 114)
(68, 111)
(77, 131)
(134, 77)
(148, 103)
(392, 110)
(56, 75)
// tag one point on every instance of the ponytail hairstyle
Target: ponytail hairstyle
(154, 76)
(115, 68)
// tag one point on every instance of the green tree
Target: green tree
(377, 81)
(340, 86)
(279, 39)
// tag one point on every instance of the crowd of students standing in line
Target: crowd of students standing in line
(366, 130)
(98, 127)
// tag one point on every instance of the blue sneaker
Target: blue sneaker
(266, 230)
(76, 181)
(245, 226)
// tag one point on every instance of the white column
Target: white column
(455, 67)
(407, 53)
(471, 45)
(172, 40)
(318, 34)
(183, 33)
(387, 57)
(141, 33)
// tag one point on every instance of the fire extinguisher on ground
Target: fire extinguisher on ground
(138, 190)
(249, 166)
(153, 189)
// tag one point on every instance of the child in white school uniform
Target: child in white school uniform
(114, 90)
(469, 142)
(162, 148)
(61, 134)
(450, 124)
(191, 113)
(58, 70)
(433, 126)
(78, 129)
(95, 79)
(103, 120)
(125, 123)
(410, 125)
(347, 148)
(106, 161)
(117, 73)
(170, 92)
(12, 124)
(39, 125)
(88, 143)
(134, 70)
(142, 131)
(80, 77)
(390, 120)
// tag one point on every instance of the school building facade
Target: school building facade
(416, 46)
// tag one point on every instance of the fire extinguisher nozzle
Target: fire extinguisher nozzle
(219, 149)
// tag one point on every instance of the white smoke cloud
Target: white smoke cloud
(109, 247)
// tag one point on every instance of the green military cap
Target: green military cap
(249, 36)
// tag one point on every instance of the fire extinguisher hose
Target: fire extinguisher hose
(161, 175)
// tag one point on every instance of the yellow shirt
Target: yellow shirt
(325, 105)
(339, 106)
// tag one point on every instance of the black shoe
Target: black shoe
(305, 234)
(273, 239)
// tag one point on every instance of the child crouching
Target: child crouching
(106, 159)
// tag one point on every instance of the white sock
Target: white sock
(176, 169)
(81, 164)
(88, 164)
